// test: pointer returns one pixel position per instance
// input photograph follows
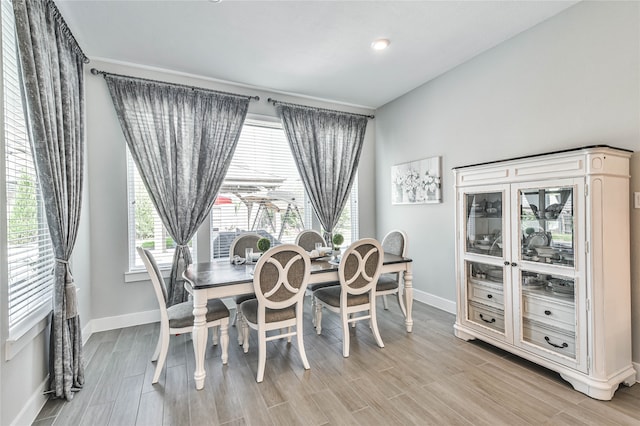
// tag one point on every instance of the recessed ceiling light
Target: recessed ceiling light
(380, 44)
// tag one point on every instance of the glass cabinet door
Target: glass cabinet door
(485, 289)
(546, 221)
(484, 223)
(548, 311)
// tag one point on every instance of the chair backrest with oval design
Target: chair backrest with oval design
(395, 242)
(281, 275)
(242, 242)
(308, 238)
(360, 266)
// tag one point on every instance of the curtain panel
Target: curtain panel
(51, 65)
(326, 147)
(182, 140)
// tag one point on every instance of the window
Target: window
(145, 226)
(30, 256)
(263, 193)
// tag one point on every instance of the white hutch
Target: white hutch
(543, 262)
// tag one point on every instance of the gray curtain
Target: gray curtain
(53, 88)
(182, 140)
(326, 147)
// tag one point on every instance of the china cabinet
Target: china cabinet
(543, 263)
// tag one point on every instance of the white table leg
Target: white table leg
(199, 335)
(408, 295)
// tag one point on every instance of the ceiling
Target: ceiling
(318, 49)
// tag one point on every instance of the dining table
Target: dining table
(220, 279)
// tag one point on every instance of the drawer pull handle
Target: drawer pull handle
(564, 344)
(489, 296)
(489, 321)
(547, 312)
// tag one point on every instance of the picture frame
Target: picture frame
(417, 182)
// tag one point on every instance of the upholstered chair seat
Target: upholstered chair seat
(387, 282)
(243, 297)
(331, 296)
(250, 310)
(181, 315)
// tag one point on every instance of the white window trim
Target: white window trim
(138, 275)
(23, 337)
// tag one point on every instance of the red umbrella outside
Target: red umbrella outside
(221, 199)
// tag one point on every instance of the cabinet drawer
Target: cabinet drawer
(550, 338)
(486, 316)
(545, 310)
(487, 294)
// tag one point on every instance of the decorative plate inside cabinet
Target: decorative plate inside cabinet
(537, 239)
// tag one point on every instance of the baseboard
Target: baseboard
(636, 366)
(139, 318)
(86, 333)
(32, 408)
(120, 321)
(435, 301)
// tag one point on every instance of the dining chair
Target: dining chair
(395, 242)
(178, 319)
(358, 271)
(279, 281)
(237, 248)
(307, 239)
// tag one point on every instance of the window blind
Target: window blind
(30, 255)
(145, 226)
(263, 192)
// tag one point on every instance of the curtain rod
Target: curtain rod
(275, 101)
(104, 73)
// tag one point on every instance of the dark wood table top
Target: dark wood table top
(221, 273)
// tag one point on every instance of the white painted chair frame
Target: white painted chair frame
(347, 313)
(321, 239)
(285, 327)
(232, 248)
(399, 291)
(162, 347)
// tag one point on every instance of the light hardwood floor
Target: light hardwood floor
(426, 377)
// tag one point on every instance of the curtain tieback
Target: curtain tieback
(68, 277)
(182, 247)
(70, 291)
(181, 262)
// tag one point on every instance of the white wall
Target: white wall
(113, 300)
(571, 81)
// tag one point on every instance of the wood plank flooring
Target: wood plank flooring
(426, 377)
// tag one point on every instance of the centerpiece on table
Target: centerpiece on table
(263, 244)
(337, 241)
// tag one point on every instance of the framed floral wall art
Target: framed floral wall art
(417, 182)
